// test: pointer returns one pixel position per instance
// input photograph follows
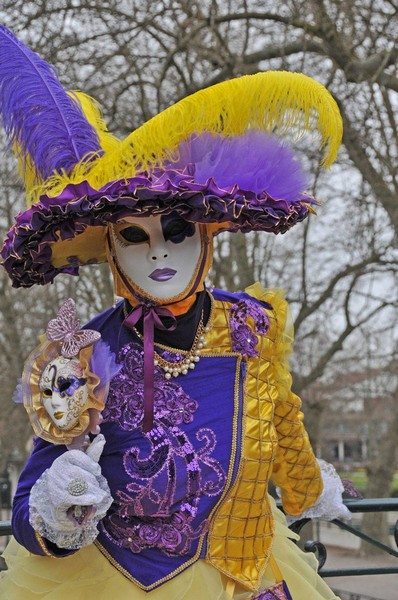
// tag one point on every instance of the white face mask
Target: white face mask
(64, 391)
(159, 254)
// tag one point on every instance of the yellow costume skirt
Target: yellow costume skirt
(87, 575)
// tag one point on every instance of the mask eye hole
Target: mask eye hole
(177, 230)
(47, 393)
(132, 234)
(63, 385)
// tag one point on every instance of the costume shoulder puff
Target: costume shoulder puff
(275, 299)
(278, 309)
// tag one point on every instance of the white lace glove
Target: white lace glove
(329, 505)
(69, 499)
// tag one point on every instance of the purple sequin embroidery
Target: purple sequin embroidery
(172, 405)
(279, 591)
(158, 506)
(244, 340)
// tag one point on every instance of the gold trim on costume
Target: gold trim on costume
(44, 547)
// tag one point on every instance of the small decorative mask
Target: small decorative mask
(65, 380)
(64, 391)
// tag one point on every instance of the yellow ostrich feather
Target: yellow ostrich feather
(93, 114)
(276, 101)
(26, 169)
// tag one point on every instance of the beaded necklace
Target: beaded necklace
(191, 357)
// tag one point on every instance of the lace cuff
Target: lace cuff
(329, 505)
(72, 540)
(56, 524)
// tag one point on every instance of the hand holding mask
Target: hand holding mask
(64, 388)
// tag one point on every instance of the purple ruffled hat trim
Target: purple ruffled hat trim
(27, 253)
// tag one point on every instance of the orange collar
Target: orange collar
(177, 308)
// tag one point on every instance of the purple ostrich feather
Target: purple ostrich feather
(37, 113)
(103, 362)
(254, 161)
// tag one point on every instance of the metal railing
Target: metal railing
(5, 528)
(356, 506)
(370, 505)
(344, 595)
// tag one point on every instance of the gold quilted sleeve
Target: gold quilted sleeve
(295, 471)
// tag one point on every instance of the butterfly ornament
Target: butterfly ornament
(65, 328)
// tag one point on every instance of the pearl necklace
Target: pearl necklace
(191, 358)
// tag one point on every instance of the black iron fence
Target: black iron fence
(5, 528)
(370, 505)
(344, 595)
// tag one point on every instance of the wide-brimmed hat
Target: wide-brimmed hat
(221, 156)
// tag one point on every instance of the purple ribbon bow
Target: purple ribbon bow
(152, 318)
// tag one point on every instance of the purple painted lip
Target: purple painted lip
(162, 274)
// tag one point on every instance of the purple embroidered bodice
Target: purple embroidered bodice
(168, 474)
(166, 483)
